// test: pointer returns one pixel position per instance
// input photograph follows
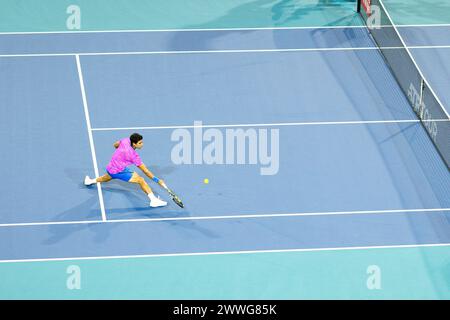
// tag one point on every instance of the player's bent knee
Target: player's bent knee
(134, 178)
(138, 179)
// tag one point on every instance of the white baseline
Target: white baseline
(401, 246)
(218, 29)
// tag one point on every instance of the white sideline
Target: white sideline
(91, 140)
(235, 216)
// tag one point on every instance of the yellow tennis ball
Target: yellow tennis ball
(206, 181)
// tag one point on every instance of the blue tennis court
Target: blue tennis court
(333, 156)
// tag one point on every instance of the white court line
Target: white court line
(244, 216)
(91, 140)
(402, 246)
(21, 55)
(182, 30)
(214, 29)
(186, 52)
(282, 124)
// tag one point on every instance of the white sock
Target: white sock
(151, 196)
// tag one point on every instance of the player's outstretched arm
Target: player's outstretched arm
(150, 174)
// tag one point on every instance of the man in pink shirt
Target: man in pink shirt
(124, 156)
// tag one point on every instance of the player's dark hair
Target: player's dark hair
(135, 138)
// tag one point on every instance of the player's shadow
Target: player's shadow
(138, 203)
(60, 232)
(147, 213)
(102, 230)
(132, 195)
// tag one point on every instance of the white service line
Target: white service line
(217, 29)
(91, 140)
(236, 216)
(401, 246)
(282, 124)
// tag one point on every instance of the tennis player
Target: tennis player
(124, 156)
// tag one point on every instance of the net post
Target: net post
(422, 88)
(421, 103)
(358, 6)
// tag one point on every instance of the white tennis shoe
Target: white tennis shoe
(88, 181)
(157, 202)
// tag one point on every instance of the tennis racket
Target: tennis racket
(175, 198)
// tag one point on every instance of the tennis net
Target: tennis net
(425, 103)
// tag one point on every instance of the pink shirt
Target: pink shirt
(124, 156)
